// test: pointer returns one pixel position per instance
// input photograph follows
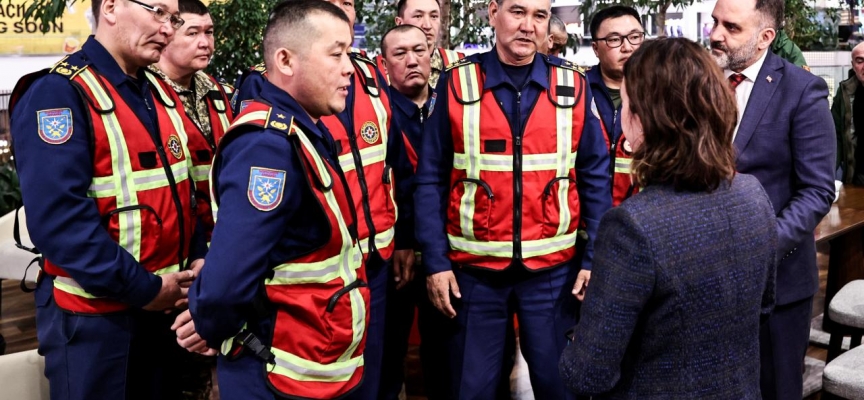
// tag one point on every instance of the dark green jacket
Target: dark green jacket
(786, 48)
(841, 110)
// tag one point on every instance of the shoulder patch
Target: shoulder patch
(55, 125)
(244, 103)
(68, 67)
(458, 63)
(265, 188)
(279, 120)
(560, 62)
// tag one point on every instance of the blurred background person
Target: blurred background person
(849, 101)
(618, 33)
(683, 271)
(557, 43)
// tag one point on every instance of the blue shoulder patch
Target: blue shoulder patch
(265, 188)
(244, 103)
(55, 125)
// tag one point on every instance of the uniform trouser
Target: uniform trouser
(783, 341)
(126, 355)
(435, 329)
(546, 310)
(377, 273)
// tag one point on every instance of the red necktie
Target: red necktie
(735, 80)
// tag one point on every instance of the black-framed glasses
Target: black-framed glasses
(161, 15)
(614, 41)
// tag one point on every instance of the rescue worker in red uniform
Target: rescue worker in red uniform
(426, 15)
(207, 106)
(513, 162)
(285, 269)
(376, 167)
(105, 179)
(618, 34)
(207, 102)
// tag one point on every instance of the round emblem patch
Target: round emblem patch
(627, 148)
(174, 146)
(369, 132)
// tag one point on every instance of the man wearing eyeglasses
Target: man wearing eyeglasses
(104, 172)
(616, 33)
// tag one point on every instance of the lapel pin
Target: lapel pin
(768, 78)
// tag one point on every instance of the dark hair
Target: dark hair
(397, 29)
(401, 4)
(772, 10)
(95, 8)
(192, 7)
(293, 14)
(609, 13)
(688, 115)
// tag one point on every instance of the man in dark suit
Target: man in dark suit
(784, 138)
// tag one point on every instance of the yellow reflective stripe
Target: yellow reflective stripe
(201, 173)
(377, 104)
(314, 272)
(368, 156)
(469, 86)
(351, 257)
(564, 124)
(129, 223)
(504, 249)
(622, 165)
(156, 178)
(504, 162)
(382, 239)
(71, 286)
(223, 120)
(299, 369)
(252, 116)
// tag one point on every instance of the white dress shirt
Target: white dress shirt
(742, 92)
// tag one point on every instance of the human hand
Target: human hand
(439, 286)
(403, 267)
(581, 284)
(172, 290)
(187, 337)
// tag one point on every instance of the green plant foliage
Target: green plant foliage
(10, 190)
(239, 32)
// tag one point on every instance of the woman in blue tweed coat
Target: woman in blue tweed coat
(682, 271)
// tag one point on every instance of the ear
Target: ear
(766, 36)
(108, 11)
(493, 12)
(399, 21)
(594, 47)
(283, 61)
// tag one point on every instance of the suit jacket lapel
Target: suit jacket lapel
(760, 99)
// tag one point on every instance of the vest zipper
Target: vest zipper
(517, 181)
(364, 190)
(612, 145)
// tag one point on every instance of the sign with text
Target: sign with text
(63, 36)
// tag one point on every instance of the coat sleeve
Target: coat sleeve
(64, 223)
(813, 147)
(592, 177)
(622, 282)
(432, 185)
(224, 295)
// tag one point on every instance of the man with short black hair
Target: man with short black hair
(617, 32)
(103, 164)
(785, 138)
(512, 166)
(283, 293)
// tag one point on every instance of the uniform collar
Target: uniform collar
(105, 63)
(283, 101)
(405, 104)
(495, 75)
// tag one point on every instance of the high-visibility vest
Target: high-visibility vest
(363, 153)
(447, 57)
(142, 191)
(201, 148)
(622, 182)
(513, 196)
(321, 298)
